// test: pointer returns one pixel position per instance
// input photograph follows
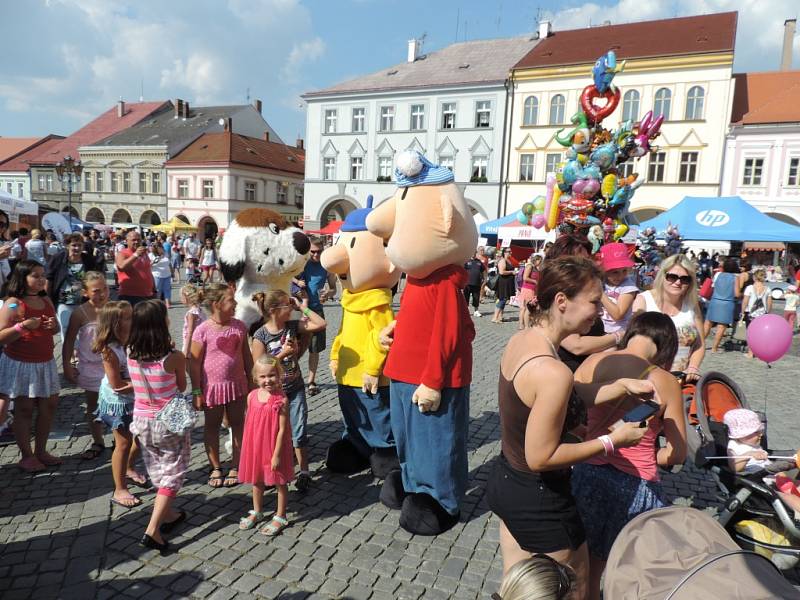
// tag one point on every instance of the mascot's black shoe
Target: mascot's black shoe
(344, 458)
(383, 461)
(422, 515)
(392, 492)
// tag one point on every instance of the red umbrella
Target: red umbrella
(329, 229)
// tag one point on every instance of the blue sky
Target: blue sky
(65, 61)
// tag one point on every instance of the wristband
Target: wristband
(197, 392)
(306, 311)
(20, 328)
(608, 445)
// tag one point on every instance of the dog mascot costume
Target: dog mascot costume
(357, 357)
(430, 234)
(259, 251)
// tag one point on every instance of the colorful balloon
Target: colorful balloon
(539, 204)
(538, 220)
(527, 208)
(522, 217)
(596, 113)
(551, 214)
(769, 337)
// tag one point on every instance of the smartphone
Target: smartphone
(642, 412)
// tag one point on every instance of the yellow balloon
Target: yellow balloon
(552, 215)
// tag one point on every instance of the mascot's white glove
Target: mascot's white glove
(370, 384)
(426, 399)
(333, 366)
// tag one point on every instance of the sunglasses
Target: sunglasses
(564, 579)
(673, 277)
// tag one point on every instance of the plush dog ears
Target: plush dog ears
(231, 272)
(233, 253)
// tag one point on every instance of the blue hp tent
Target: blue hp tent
(726, 218)
(491, 227)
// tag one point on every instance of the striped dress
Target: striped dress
(165, 454)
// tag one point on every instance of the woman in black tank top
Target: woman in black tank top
(529, 488)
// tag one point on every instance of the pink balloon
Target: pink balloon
(538, 221)
(769, 337)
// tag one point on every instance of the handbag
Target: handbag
(178, 415)
(707, 289)
(491, 281)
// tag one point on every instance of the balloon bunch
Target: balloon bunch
(588, 188)
(674, 241)
(532, 213)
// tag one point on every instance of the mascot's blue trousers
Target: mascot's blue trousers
(432, 446)
(367, 423)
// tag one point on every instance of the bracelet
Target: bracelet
(306, 311)
(20, 328)
(608, 445)
(197, 392)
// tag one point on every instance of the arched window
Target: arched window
(531, 111)
(694, 103)
(663, 103)
(557, 110)
(630, 106)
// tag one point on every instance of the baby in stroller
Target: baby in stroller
(746, 454)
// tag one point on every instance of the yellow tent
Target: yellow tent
(175, 225)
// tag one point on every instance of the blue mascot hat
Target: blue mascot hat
(357, 219)
(414, 169)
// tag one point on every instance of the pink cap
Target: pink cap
(615, 256)
(742, 422)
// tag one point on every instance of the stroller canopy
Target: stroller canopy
(681, 553)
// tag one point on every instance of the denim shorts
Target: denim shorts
(114, 422)
(298, 415)
(607, 500)
(318, 339)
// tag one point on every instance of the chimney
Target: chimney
(186, 109)
(413, 49)
(789, 27)
(299, 143)
(266, 136)
(121, 108)
(257, 104)
(544, 29)
(227, 124)
(178, 108)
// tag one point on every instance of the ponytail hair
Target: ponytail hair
(269, 301)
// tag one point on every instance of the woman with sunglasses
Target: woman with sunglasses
(674, 294)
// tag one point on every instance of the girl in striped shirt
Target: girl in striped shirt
(158, 373)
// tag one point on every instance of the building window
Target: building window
(9, 188)
(49, 183)
(417, 117)
(530, 111)
(142, 183)
(688, 172)
(98, 182)
(384, 168)
(479, 164)
(663, 103)
(330, 121)
(155, 183)
(551, 162)
(526, 167)
(630, 106)
(283, 192)
(694, 103)
(625, 169)
(126, 182)
(387, 118)
(183, 188)
(794, 167)
(359, 120)
(249, 191)
(753, 168)
(446, 161)
(655, 170)
(449, 115)
(88, 179)
(356, 168)
(208, 188)
(329, 169)
(114, 181)
(41, 183)
(557, 105)
(20, 190)
(483, 113)
(298, 196)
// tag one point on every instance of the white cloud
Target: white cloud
(303, 53)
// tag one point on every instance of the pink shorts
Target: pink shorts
(208, 267)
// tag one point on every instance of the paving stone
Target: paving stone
(333, 587)
(269, 589)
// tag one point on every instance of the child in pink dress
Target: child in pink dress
(267, 457)
(219, 361)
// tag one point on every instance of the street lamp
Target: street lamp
(70, 171)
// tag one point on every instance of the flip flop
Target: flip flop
(140, 480)
(50, 460)
(92, 451)
(231, 480)
(218, 480)
(135, 502)
(31, 465)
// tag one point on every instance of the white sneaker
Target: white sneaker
(477, 313)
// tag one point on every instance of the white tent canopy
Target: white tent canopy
(15, 206)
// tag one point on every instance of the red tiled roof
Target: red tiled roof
(21, 162)
(103, 126)
(760, 98)
(227, 148)
(10, 146)
(665, 37)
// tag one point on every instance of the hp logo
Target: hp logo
(712, 218)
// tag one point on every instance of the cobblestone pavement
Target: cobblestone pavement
(62, 538)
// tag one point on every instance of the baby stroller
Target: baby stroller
(751, 511)
(681, 553)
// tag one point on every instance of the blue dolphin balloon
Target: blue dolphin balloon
(604, 70)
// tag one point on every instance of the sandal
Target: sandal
(215, 481)
(251, 520)
(129, 502)
(275, 526)
(232, 479)
(31, 465)
(93, 451)
(138, 479)
(313, 390)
